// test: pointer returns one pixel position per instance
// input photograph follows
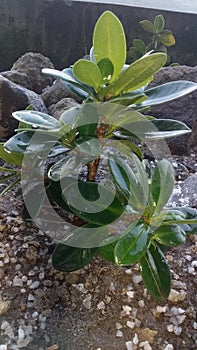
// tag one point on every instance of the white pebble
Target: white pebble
(101, 305)
(3, 347)
(141, 303)
(194, 263)
(135, 339)
(129, 345)
(17, 282)
(31, 297)
(131, 324)
(137, 279)
(87, 302)
(195, 325)
(119, 333)
(170, 328)
(21, 333)
(169, 347)
(130, 294)
(34, 285)
(35, 314)
(118, 325)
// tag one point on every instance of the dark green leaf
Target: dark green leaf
(156, 273)
(66, 258)
(169, 235)
(37, 119)
(132, 245)
(88, 119)
(159, 23)
(147, 25)
(107, 251)
(168, 92)
(162, 184)
(93, 202)
(140, 45)
(106, 68)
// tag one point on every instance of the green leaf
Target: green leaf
(165, 128)
(34, 195)
(169, 235)
(37, 119)
(18, 144)
(131, 98)
(54, 192)
(87, 122)
(107, 69)
(10, 157)
(126, 147)
(109, 42)
(139, 45)
(132, 245)
(107, 251)
(148, 26)
(134, 54)
(162, 184)
(66, 258)
(167, 39)
(70, 81)
(88, 73)
(93, 202)
(156, 273)
(159, 23)
(69, 117)
(168, 92)
(139, 73)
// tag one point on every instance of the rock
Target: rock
(18, 78)
(184, 194)
(55, 93)
(182, 109)
(147, 334)
(57, 109)
(32, 63)
(4, 306)
(12, 98)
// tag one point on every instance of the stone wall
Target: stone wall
(62, 30)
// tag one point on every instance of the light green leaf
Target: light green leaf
(169, 235)
(162, 184)
(156, 273)
(109, 42)
(88, 73)
(10, 157)
(139, 73)
(132, 245)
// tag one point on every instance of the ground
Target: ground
(101, 307)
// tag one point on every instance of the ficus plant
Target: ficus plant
(89, 164)
(161, 39)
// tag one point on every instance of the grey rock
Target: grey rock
(19, 78)
(55, 93)
(32, 63)
(185, 193)
(13, 98)
(182, 109)
(57, 109)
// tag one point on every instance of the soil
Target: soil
(100, 307)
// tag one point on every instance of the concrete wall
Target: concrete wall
(62, 30)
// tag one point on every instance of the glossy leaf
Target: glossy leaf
(18, 143)
(88, 119)
(109, 42)
(54, 192)
(70, 81)
(129, 99)
(147, 25)
(66, 258)
(159, 23)
(127, 147)
(107, 251)
(10, 157)
(139, 73)
(156, 273)
(169, 235)
(132, 245)
(168, 92)
(69, 117)
(162, 184)
(88, 73)
(36, 119)
(93, 202)
(106, 68)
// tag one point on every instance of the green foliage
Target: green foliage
(161, 39)
(123, 216)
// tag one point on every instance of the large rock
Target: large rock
(183, 109)
(19, 78)
(57, 109)
(12, 98)
(32, 63)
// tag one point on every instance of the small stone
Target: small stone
(53, 347)
(147, 334)
(101, 305)
(194, 263)
(129, 345)
(135, 339)
(170, 328)
(34, 285)
(176, 296)
(130, 324)
(195, 325)
(141, 303)
(22, 343)
(3, 347)
(21, 333)
(137, 279)
(177, 330)
(4, 306)
(87, 302)
(169, 347)
(31, 297)
(17, 282)
(119, 334)
(130, 294)
(118, 325)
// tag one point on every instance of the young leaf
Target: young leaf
(167, 39)
(109, 42)
(156, 273)
(162, 184)
(159, 23)
(148, 26)
(88, 73)
(132, 245)
(66, 258)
